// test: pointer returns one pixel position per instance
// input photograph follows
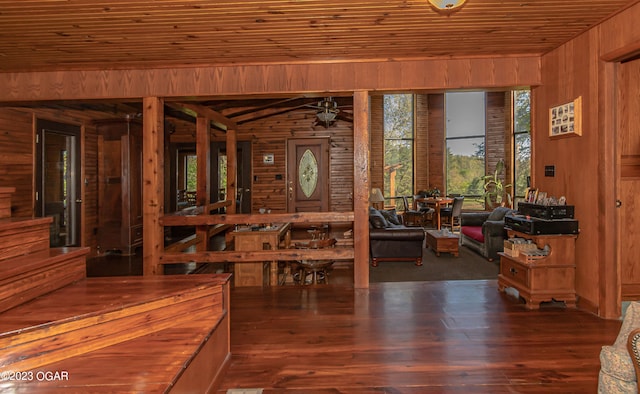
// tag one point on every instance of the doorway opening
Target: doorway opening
(58, 184)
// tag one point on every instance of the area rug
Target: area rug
(467, 266)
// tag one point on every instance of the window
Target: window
(398, 145)
(521, 141)
(191, 172)
(465, 146)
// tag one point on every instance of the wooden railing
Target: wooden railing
(198, 218)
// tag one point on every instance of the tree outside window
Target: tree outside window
(191, 167)
(522, 141)
(398, 145)
(465, 141)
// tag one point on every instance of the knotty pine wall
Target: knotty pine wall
(584, 164)
(17, 159)
(498, 131)
(270, 135)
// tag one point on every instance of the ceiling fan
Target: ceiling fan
(327, 110)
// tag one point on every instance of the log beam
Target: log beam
(153, 184)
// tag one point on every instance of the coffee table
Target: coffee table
(442, 241)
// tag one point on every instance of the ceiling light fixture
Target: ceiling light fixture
(446, 6)
(329, 111)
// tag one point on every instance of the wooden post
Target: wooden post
(232, 169)
(203, 189)
(152, 184)
(361, 187)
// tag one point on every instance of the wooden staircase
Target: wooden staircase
(63, 332)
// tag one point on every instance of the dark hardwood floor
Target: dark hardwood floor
(402, 337)
(410, 337)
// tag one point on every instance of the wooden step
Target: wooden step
(21, 236)
(96, 313)
(29, 276)
(5, 201)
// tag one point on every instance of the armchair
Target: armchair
(484, 232)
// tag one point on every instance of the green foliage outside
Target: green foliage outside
(465, 173)
(522, 125)
(192, 172)
(398, 145)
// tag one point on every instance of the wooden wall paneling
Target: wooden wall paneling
(269, 136)
(17, 159)
(568, 72)
(497, 133)
(620, 34)
(90, 187)
(232, 168)
(152, 185)
(266, 190)
(266, 79)
(436, 140)
(203, 184)
(361, 188)
(341, 171)
(421, 141)
(376, 163)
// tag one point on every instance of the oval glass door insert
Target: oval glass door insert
(308, 173)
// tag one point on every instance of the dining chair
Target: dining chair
(451, 215)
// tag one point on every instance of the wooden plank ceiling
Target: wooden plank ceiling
(82, 34)
(44, 35)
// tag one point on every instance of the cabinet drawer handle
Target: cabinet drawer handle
(513, 271)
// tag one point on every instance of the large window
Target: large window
(521, 141)
(465, 146)
(398, 145)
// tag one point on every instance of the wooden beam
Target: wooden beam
(153, 184)
(222, 121)
(232, 169)
(361, 148)
(240, 257)
(406, 75)
(298, 217)
(203, 158)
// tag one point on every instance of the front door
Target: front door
(308, 175)
(58, 180)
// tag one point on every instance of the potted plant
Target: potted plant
(495, 192)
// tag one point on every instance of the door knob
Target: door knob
(618, 203)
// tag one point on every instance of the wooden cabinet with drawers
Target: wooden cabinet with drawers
(120, 185)
(549, 278)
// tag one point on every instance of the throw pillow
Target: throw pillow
(498, 214)
(390, 216)
(376, 219)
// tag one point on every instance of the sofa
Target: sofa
(484, 232)
(617, 369)
(391, 240)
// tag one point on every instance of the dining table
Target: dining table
(436, 203)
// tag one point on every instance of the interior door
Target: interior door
(628, 193)
(308, 175)
(58, 180)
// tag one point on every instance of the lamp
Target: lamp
(446, 5)
(376, 197)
